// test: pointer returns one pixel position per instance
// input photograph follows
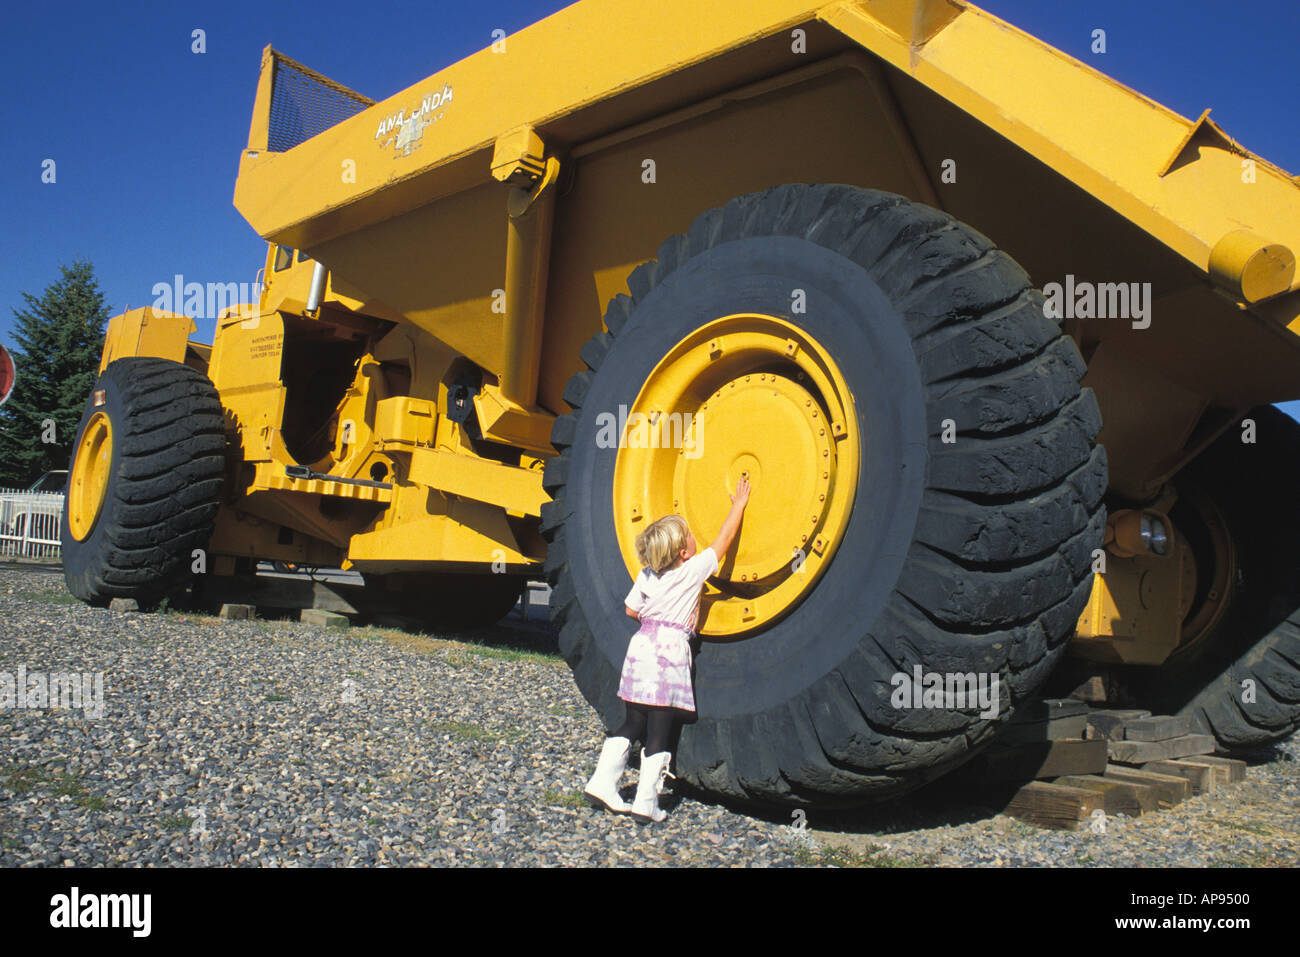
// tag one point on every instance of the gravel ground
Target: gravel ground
(277, 743)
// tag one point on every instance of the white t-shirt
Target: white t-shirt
(673, 596)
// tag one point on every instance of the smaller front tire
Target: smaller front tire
(145, 481)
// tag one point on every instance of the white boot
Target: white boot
(602, 789)
(645, 806)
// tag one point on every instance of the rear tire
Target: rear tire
(165, 472)
(964, 556)
(1257, 645)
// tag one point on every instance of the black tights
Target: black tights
(650, 724)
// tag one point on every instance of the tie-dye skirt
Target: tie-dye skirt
(657, 669)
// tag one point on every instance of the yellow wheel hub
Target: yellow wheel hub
(745, 395)
(91, 464)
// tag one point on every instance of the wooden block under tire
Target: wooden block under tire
(1118, 797)
(1110, 723)
(1140, 752)
(1198, 776)
(1049, 709)
(1160, 727)
(1053, 806)
(324, 619)
(1220, 774)
(1072, 726)
(1047, 759)
(1236, 768)
(1170, 788)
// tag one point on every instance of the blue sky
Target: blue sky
(146, 134)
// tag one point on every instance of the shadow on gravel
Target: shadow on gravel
(1263, 755)
(36, 566)
(947, 802)
(512, 633)
(532, 635)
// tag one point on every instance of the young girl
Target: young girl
(656, 679)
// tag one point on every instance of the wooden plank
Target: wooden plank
(1048, 759)
(1142, 752)
(1053, 806)
(1160, 727)
(1170, 789)
(1236, 768)
(323, 619)
(1198, 776)
(1118, 797)
(1110, 723)
(1221, 775)
(1047, 709)
(1072, 726)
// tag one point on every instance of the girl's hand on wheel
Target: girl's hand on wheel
(741, 498)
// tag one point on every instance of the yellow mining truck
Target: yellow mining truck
(995, 338)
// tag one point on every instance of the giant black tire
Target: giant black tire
(164, 483)
(970, 556)
(1241, 682)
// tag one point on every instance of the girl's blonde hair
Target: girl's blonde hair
(658, 545)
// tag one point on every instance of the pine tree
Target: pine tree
(60, 338)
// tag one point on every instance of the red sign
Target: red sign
(6, 374)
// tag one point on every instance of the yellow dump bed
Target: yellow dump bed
(599, 65)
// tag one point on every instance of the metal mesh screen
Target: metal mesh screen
(304, 103)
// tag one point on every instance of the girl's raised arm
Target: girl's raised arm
(731, 524)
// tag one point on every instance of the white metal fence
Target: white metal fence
(29, 523)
